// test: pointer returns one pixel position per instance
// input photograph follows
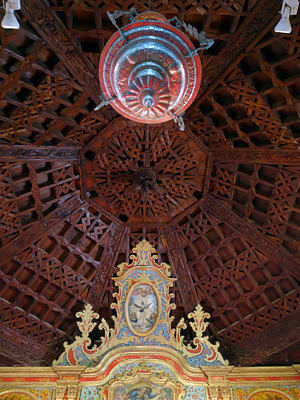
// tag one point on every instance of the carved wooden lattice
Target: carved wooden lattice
(142, 173)
(266, 195)
(30, 190)
(235, 282)
(255, 106)
(60, 268)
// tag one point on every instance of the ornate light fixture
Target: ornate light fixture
(150, 71)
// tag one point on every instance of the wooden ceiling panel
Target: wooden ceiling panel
(41, 103)
(131, 169)
(49, 281)
(30, 191)
(88, 22)
(243, 291)
(257, 104)
(266, 195)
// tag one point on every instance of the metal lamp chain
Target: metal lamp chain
(203, 41)
(132, 13)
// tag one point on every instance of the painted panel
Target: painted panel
(142, 309)
(142, 391)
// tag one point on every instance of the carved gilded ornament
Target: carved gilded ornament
(26, 392)
(269, 395)
(143, 306)
(132, 383)
(16, 394)
(284, 392)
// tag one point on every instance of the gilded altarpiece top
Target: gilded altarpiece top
(143, 307)
(142, 357)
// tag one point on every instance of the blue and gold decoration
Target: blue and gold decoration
(143, 307)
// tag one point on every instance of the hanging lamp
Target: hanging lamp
(150, 71)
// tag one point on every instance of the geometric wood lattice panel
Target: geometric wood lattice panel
(142, 173)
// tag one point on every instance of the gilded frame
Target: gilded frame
(16, 391)
(264, 391)
(135, 379)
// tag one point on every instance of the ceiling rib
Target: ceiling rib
(286, 157)
(23, 349)
(106, 265)
(40, 228)
(32, 153)
(286, 261)
(245, 38)
(181, 269)
(260, 348)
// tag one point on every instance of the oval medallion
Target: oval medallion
(142, 309)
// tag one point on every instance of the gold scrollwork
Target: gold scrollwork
(16, 394)
(269, 394)
(143, 270)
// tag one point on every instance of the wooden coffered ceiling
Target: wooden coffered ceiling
(79, 188)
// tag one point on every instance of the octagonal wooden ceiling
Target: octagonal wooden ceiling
(79, 188)
(142, 173)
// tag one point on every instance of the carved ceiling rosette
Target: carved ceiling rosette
(143, 174)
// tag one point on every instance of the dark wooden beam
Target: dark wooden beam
(244, 39)
(107, 262)
(181, 269)
(23, 349)
(6, 361)
(286, 261)
(40, 228)
(259, 349)
(56, 35)
(287, 157)
(32, 153)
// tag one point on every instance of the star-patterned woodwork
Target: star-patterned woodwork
(143, 173)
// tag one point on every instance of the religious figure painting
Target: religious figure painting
(142, 391)
(142, 308)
